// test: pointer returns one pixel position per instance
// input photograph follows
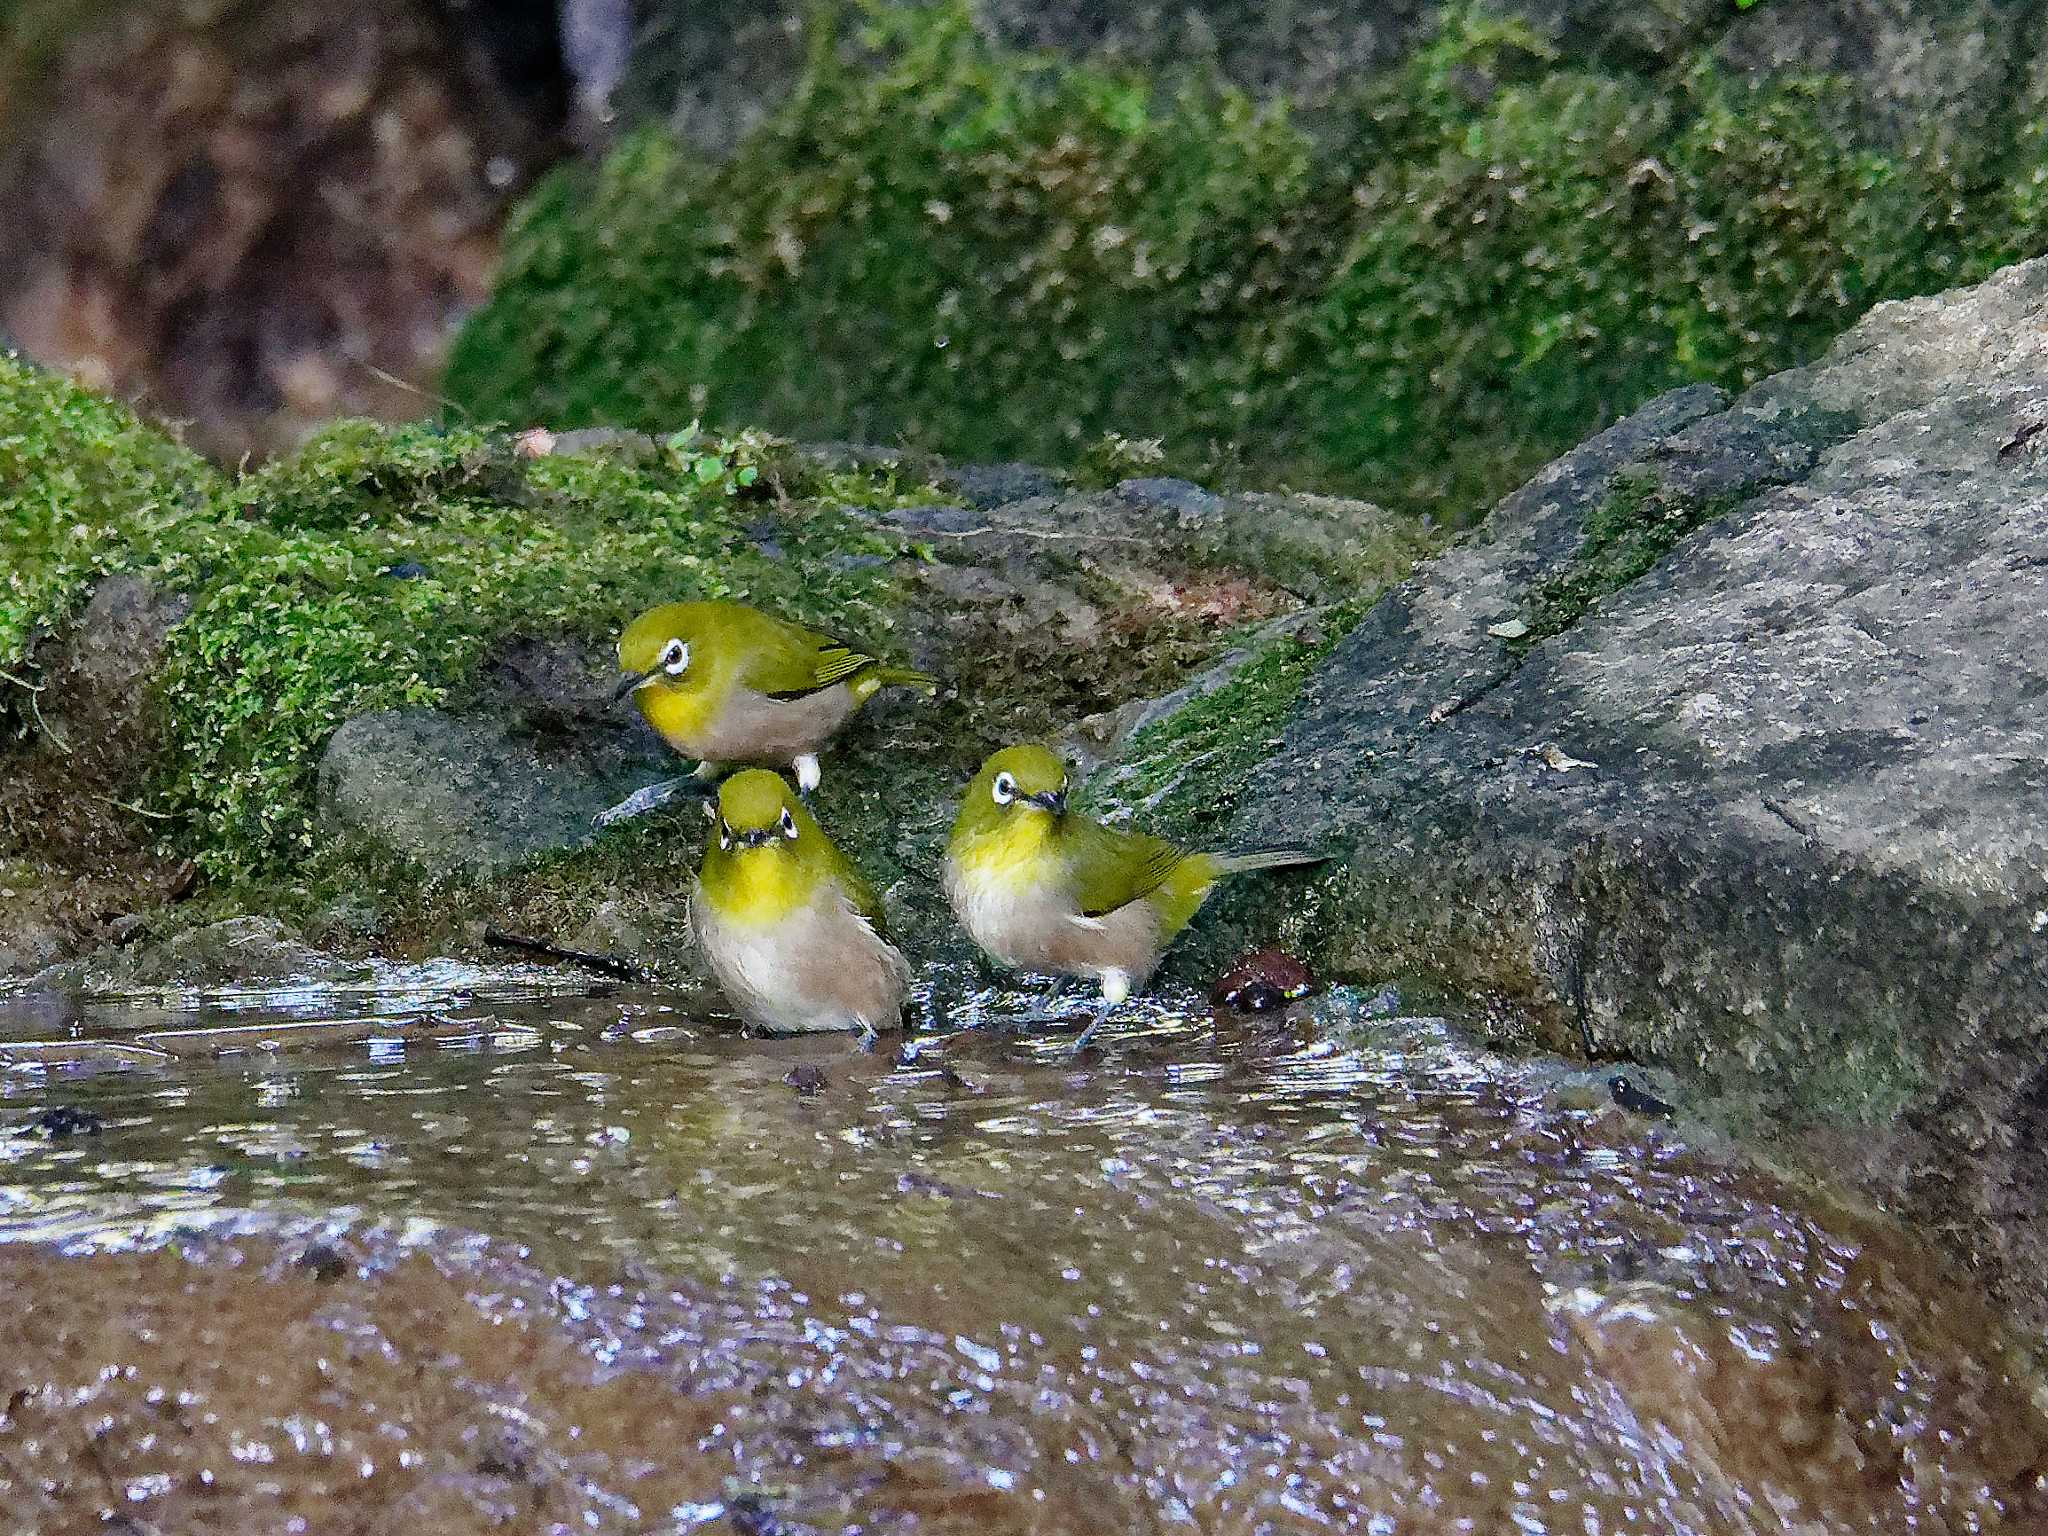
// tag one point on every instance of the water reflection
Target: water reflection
(1223, 1278)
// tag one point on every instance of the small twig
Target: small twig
(1049, 535)
(413, 389)
(36, 708)
(135, 810)
(609, 965)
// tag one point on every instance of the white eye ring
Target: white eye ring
(724, 837)
(675, 658)
(1004, 789)
(788, 824)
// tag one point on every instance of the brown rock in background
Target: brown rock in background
(257, 216)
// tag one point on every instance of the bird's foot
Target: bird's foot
(652, 798)
(1081, 1040)
(1050, 1005)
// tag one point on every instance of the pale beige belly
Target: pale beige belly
(1037, 927)
(821, 969)
(753, 728)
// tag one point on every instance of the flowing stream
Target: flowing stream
(472, 1252)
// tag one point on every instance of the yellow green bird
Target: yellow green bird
(793, 933)
(1045, 889)
(725, 683)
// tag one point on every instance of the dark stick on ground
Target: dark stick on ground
(608, 965)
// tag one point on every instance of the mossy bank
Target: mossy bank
(1419, 286)
(455, 592)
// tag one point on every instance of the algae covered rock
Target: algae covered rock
(1522, 223)
(1033, 611)
(1723, 748)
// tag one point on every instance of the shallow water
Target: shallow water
(547, 1261)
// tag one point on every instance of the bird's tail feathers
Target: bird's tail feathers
(906, 677)
(1266, 858)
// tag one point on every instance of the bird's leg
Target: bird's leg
(808, 775)
(1116, 986)
(1081, 1040)
(655, 796)
(869, 1037)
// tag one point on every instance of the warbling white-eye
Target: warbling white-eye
(792, 931)
(1046, 889)
(725, 683)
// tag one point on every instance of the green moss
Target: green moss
(85, 489)
(371, 569)
(1634, 526)
(1182, 775)
(1480, 259)
(1002, 254)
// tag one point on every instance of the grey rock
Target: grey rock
(1776, 812)
(240, 951)
(951, 522)
(1912, 65)
(1147, 533)
(27, 946)
(597, 37)
(983, 486)
(120, 635)
(1188, 502)
(465, 794)
(715, 72)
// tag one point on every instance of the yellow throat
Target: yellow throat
(1018, 850)
(759, 886)
(679, 714)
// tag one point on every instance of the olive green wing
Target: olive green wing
(787, 661)
(859, 894)
(1110, 868)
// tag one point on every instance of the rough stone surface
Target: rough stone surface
(1147, 532)
(714, 72)
(1776, 812)
(238, 951)
(466, 794)
(73, 851)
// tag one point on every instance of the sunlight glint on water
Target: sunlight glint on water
(1226, 1276)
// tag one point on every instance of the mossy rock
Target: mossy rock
(467, 585)
(1718, 748)
(1451, 272)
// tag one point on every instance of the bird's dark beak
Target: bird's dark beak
(757, 837)
(1054, 800)
(629, 683)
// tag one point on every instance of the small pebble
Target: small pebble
(805, 1079)
(323, 1262)
(1262, 981)
(1634, 1099)
(66, 1121)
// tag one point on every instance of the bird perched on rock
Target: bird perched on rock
(792, 931)
(725, 683)
(1043, 888)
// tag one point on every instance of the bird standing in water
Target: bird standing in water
(725, 683)
(792, 931)
(1045, 889)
